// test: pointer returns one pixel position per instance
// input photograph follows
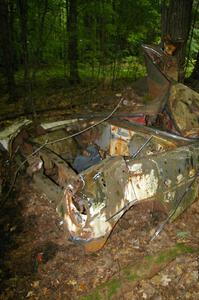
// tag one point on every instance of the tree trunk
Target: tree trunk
(6, 44)
(176, 23)
(23, 10)
(101, 33)
(73, 42)
(38, 54)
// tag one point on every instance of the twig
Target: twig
(161, 227)
(124, 208)
(142, 147)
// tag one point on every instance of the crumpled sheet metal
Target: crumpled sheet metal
(11, 131)
(115, 184)
(158, 80)
(180, 100)
(183, 105)
(160, 62)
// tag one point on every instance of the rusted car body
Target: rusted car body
(95, 171)
(162, 170)
(128, 164)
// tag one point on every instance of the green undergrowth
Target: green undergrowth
(146, 268)
(49, 86)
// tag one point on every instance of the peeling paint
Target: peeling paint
(129, 192)
(100, 226)
(57, 124)
(180, 178)
(146, 185)
(136, 168)
(96, 208)
(169, 196)
(167, 182)
(192, 172)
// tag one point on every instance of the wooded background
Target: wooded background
(90, 40)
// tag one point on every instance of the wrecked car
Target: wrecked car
(94, 171)
(96, 176)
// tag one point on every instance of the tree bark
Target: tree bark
(38, 53)
(73, 41)
(176, 23)
(23, 11)
(6, 44)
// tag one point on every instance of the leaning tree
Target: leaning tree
(176, 23)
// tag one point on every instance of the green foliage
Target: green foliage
(194, 44)
(109, 36)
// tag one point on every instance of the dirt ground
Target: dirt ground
(38, 262)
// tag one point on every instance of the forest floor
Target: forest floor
(84, 99)
(38, 262)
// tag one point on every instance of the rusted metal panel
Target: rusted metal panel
(116, 184)
(8, 134)
(183, 105)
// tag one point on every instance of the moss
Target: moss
(145, 268)
(132, 277)
(109, 289)
(113, 286)
(172, 253)
(94, 296)
(147, 98)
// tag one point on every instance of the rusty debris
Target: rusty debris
(94, 171)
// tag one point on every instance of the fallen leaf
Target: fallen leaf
(72, 282)
(82, 287)
(30, 294)
(35, 284)
(165, 280)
